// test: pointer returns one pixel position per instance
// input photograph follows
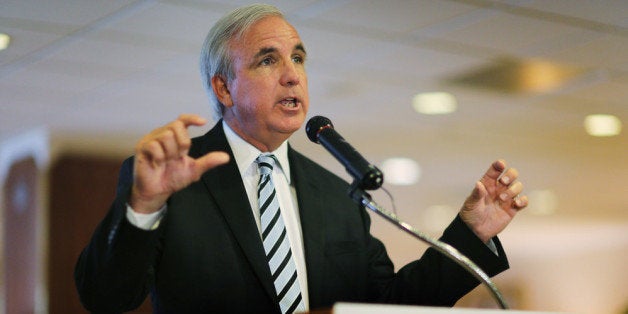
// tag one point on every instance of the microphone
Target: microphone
(320, 130)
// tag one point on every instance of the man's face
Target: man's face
(267, 99)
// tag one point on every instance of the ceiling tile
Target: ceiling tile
(75, 12)
(606, 11)
(605, 52)
(508, 34)
(401, 16)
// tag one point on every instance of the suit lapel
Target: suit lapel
(225, 185)
(312, 220)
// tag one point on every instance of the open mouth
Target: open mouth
(289, 102)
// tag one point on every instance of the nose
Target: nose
(291, 76)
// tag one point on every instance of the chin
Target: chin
(295, 121)
(291, 126)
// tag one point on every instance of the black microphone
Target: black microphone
(320, 130)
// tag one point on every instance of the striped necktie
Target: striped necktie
(276, 242)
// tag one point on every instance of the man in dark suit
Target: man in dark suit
(188, 227)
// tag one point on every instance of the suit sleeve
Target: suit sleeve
(115, 270)
(434, 279)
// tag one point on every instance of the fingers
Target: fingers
(508, 187)
(502, 183)
(495, 170)
(178, 138)
(499, 176)
(170, 141)
(152, 151)
(521, 202)
(192, 119)
(512, 191)
(509, 176)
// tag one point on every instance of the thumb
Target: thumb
(211, 160)
(478, 193)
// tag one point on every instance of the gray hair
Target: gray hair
(215, 55)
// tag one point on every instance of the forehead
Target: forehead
(269, 31)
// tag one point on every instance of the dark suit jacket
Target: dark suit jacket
(207, 255)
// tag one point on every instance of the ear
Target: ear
(219, 85)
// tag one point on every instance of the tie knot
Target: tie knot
(266, 163)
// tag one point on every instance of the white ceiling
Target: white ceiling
(116, 69)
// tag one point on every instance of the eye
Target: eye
(267, 61)
(298, 59)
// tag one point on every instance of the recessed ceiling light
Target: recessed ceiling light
(401, 171)
(4, 41)
(434, 103)
(519, 76)
(602, 125)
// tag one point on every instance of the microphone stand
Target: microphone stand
(358, 195)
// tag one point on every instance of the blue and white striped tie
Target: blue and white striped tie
(276, 242)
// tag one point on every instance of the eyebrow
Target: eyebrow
(300, 47)
(267, 50)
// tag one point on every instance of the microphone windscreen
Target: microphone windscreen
(314, 125)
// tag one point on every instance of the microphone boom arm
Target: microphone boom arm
(358, 195)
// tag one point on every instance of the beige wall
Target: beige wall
(556, 263)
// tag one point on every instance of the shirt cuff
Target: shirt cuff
(145, 221)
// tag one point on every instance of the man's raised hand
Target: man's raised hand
(162, 165)
(494, 201)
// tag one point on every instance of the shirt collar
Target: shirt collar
(245, 153)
